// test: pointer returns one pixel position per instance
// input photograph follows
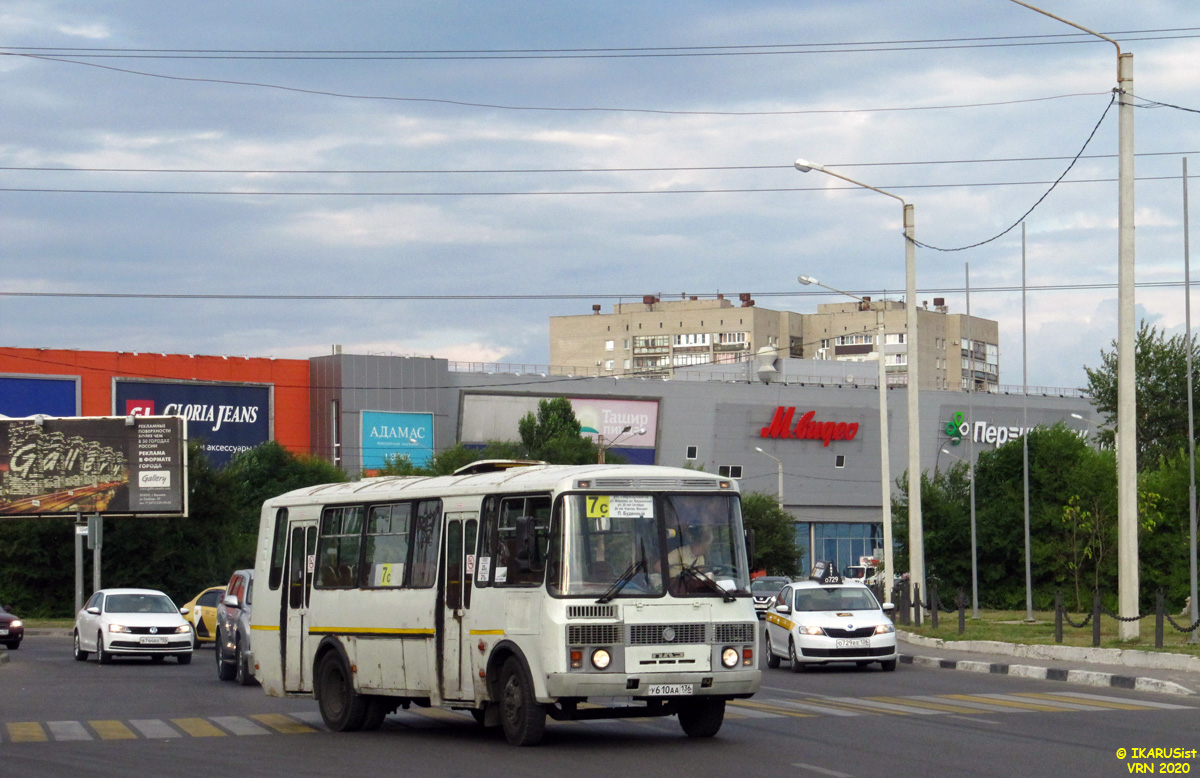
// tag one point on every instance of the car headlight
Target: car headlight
(884, 629)
(117, 628)
(811, 630)
(183, 628)
(17, 623)
(730, 657)
(601, 658)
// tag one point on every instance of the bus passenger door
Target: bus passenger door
(458, 563)
(301, 563)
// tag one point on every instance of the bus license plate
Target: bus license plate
(154, 641)
(854, 643)
(668, 689)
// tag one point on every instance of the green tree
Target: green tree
(775, 548)
(553, 435)
(1161, 392)
(269, 470)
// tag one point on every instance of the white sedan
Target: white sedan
(132, 622)
(813, 622)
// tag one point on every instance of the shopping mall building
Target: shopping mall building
(810, 435)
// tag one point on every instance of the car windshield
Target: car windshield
(835, 598)
(138, 603)
(767, 585)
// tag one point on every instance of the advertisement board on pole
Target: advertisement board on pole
(228, 418)
(123, 466)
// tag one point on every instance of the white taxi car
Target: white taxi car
(829, 620)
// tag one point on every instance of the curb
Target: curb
(1087, 677)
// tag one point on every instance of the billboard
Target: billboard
(387, 433)
(112, 466)
(228, 418)
(26, 395)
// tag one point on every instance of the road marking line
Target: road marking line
(998, 699)
(26, 732)
(198, 727)
(763, 709)
(968, 702)
(68, 730)
(1163, 705)
(943, 707)
(1078, 702)
(822, 770)
(111, 729)
(281, 723)
(240, 725)
(154, 728)
(819, 709)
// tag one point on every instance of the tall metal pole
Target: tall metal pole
(885, 466)
(1025, 436)
(1187, 308)
(916, 531)
(1126, 438)
(971, 458)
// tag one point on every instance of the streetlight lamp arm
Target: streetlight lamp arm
(805, 166)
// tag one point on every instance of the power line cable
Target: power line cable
(1038, 202)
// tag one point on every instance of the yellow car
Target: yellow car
(201, 611)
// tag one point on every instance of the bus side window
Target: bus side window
(426, 531)
(278, 546)
(485, 564)
(338, 549)
(385, 547)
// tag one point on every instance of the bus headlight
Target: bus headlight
(730, 657)
(601, 659)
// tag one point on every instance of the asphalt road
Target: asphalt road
(60, 718)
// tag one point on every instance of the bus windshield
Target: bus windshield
(639, 545)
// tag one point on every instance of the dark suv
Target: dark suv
(235, 659)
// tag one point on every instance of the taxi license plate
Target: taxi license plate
(854, 643)
(668, 689)
(154, 641)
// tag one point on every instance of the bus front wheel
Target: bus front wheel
(701, 717)
(521, 716)
(342, 708)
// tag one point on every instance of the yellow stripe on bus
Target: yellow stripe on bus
(366, 631)
(487, 632)
(266, 627)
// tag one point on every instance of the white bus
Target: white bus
(515, 591)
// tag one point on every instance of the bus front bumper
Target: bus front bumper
(726, 683)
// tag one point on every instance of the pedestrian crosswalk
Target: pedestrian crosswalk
(758, 707)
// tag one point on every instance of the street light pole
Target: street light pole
(885, 467)
(1127, 541)
(916, 533)
(602, 447)
(779, 486)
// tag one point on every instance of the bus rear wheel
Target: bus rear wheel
(342, 708)
(521, 716)
(701, 717)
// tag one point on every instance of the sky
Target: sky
(439, 179)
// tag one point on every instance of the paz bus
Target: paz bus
(516, 591)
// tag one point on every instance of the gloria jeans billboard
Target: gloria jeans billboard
(227, 418)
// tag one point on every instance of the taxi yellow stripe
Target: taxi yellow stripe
(1006, 703)
(112, 730)
(1090, 702)
(198, 727)
(281, 723)
(945, 708)
(26, 732)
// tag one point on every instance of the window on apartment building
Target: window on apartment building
(896, 359)
(692, 452)
(609, 345)
(626, 364)
(608, 364)
(896, 338)
(839, 461)
(692, 339)
(729, 471)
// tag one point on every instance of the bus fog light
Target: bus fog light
(601, 659)
(730, 657)
(576, 658)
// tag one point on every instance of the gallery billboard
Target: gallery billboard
(387, 434)
(229, 418)
(122, 466)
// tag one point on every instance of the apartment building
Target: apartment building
(656, 337)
